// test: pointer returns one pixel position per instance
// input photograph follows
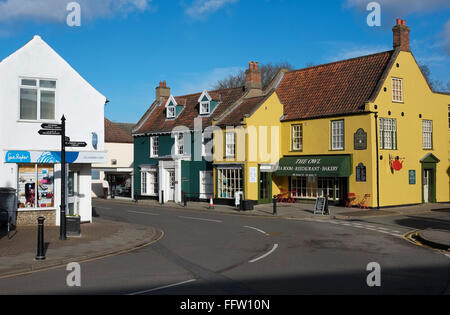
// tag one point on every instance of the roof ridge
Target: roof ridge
(212, 91)
(340, 61)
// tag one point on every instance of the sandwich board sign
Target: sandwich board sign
(321, 206)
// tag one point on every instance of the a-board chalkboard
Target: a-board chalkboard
(321, 206)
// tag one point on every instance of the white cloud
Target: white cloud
(201, 8)
(197, 82)
(401, 7)
(353, 51)
(55, 10)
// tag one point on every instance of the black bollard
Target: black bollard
(184, 199)
(40, 243)
(241, 202)
(162, 197)
(275, 205)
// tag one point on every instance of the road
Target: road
(205, 253)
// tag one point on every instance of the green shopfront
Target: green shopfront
(310, 177)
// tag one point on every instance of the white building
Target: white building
(118, 169)
(38, 86)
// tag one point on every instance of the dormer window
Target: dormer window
(170, 111)
(205, 108)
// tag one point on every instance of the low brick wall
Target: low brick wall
(25, 218)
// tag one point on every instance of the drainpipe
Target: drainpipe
(378, 161)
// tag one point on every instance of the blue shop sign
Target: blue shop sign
(18, 157)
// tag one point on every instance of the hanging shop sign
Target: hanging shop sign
(319, 166)
(396, 163)
(360, 139)
(53, 157)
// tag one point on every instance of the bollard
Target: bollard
(162, 197)
(241, 202)
(40, 244)
(184, 199)
(275, 205)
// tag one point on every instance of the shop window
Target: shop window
(230, 181)
(427, 134)
(313, 187)
(36, 186)
(361, 173)
(337, 135)
(388, 134)
(153, 188)
(37, 99)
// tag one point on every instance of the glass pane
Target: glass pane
(45, 186)
(48, 105)
(27, 185)
(29, 82)
(47, 84)
(28, 104)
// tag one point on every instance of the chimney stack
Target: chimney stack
(253, 80)
(162, 91)
(401, 35)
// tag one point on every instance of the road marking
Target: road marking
(164, 287)
(256, 229)
(265, 255)
(96, 207)
(147, 213)
(208, 220)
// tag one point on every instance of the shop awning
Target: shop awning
(320, 166)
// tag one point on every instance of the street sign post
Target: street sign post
(50, 132)
(51, 126)
(76, 144)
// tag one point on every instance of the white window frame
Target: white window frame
(38, 90)
(427, 134)
(208, 105)
(297, 134)
(338, 135)
(230, 144)
(397, 90)
(154, 150)
(144, 186)
(153, 183)
(179, 144)
(171, 111)
(230, 181)
(388, 134)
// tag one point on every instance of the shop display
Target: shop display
(36, 180)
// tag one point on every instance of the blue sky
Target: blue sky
(125, 47)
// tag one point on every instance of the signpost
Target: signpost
(60, 130)
(321, 206)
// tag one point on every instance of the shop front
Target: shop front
(311, 177)
(36, 176)
(230, 182)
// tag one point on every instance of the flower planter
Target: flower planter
(73, 226)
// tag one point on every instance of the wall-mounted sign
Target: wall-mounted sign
(396, 163)
(361, 140)
(94, 140)
(54, 157)
(253, 175)
(412, 177)
(361, 173)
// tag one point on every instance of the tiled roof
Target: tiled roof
(115, 134)
(337, 88)
(236, 114)
(155, 121)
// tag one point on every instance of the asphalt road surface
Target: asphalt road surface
(205, 253)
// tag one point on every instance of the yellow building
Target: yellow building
(368, 127)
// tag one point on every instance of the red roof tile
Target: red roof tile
(236, 114)
(155, 121)
(115, 134)
(337, 88)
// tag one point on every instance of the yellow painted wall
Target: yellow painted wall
(317, 141)
(418, 100)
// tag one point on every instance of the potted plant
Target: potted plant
(73, 225)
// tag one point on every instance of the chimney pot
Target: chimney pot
(253, 77)
(401, 35)
(399, 21)
(162, 91)
(403, 22)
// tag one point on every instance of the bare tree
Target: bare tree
(268, 72)
(436, 85)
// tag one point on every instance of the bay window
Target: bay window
(230, 181)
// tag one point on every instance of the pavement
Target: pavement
(99, 239)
